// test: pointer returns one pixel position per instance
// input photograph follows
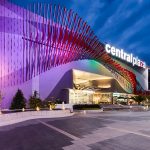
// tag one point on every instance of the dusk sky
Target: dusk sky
(122, 23)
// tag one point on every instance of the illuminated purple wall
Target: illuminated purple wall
(48, 83)
(40, 44)
(11, 44)
(31, 45)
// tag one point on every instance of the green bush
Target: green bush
(58, 101)
(86, 106)
(123, 103)
(139, 99)
(18, 101)
(45, 104)
(35, 102)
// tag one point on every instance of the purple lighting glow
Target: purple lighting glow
(37, 39)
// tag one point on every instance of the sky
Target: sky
(122, 23)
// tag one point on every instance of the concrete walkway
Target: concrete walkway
(12, 118)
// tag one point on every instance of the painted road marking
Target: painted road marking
(59, 130)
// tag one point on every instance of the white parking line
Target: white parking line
(59, 130)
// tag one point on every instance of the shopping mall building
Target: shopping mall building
(50, 49)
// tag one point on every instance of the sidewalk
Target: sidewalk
(12, 118)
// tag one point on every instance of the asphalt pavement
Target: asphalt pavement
(112, 130)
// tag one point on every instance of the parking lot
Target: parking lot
(112, 130)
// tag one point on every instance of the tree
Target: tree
(139, 99)
(1, 97)
(34, 101)
(35, 94)
(19, 101)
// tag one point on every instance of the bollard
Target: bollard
(63, 106)
(50, 107)
(37, 108)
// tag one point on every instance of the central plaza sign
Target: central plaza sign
(120, 53)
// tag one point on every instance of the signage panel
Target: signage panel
(120, 53)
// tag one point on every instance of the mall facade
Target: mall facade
(50, 49)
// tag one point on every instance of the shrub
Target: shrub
(58, 101)
(45, 104)
(123, 103)
(86, 106)
(139, 99)
(35, 102)
(18, 101)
